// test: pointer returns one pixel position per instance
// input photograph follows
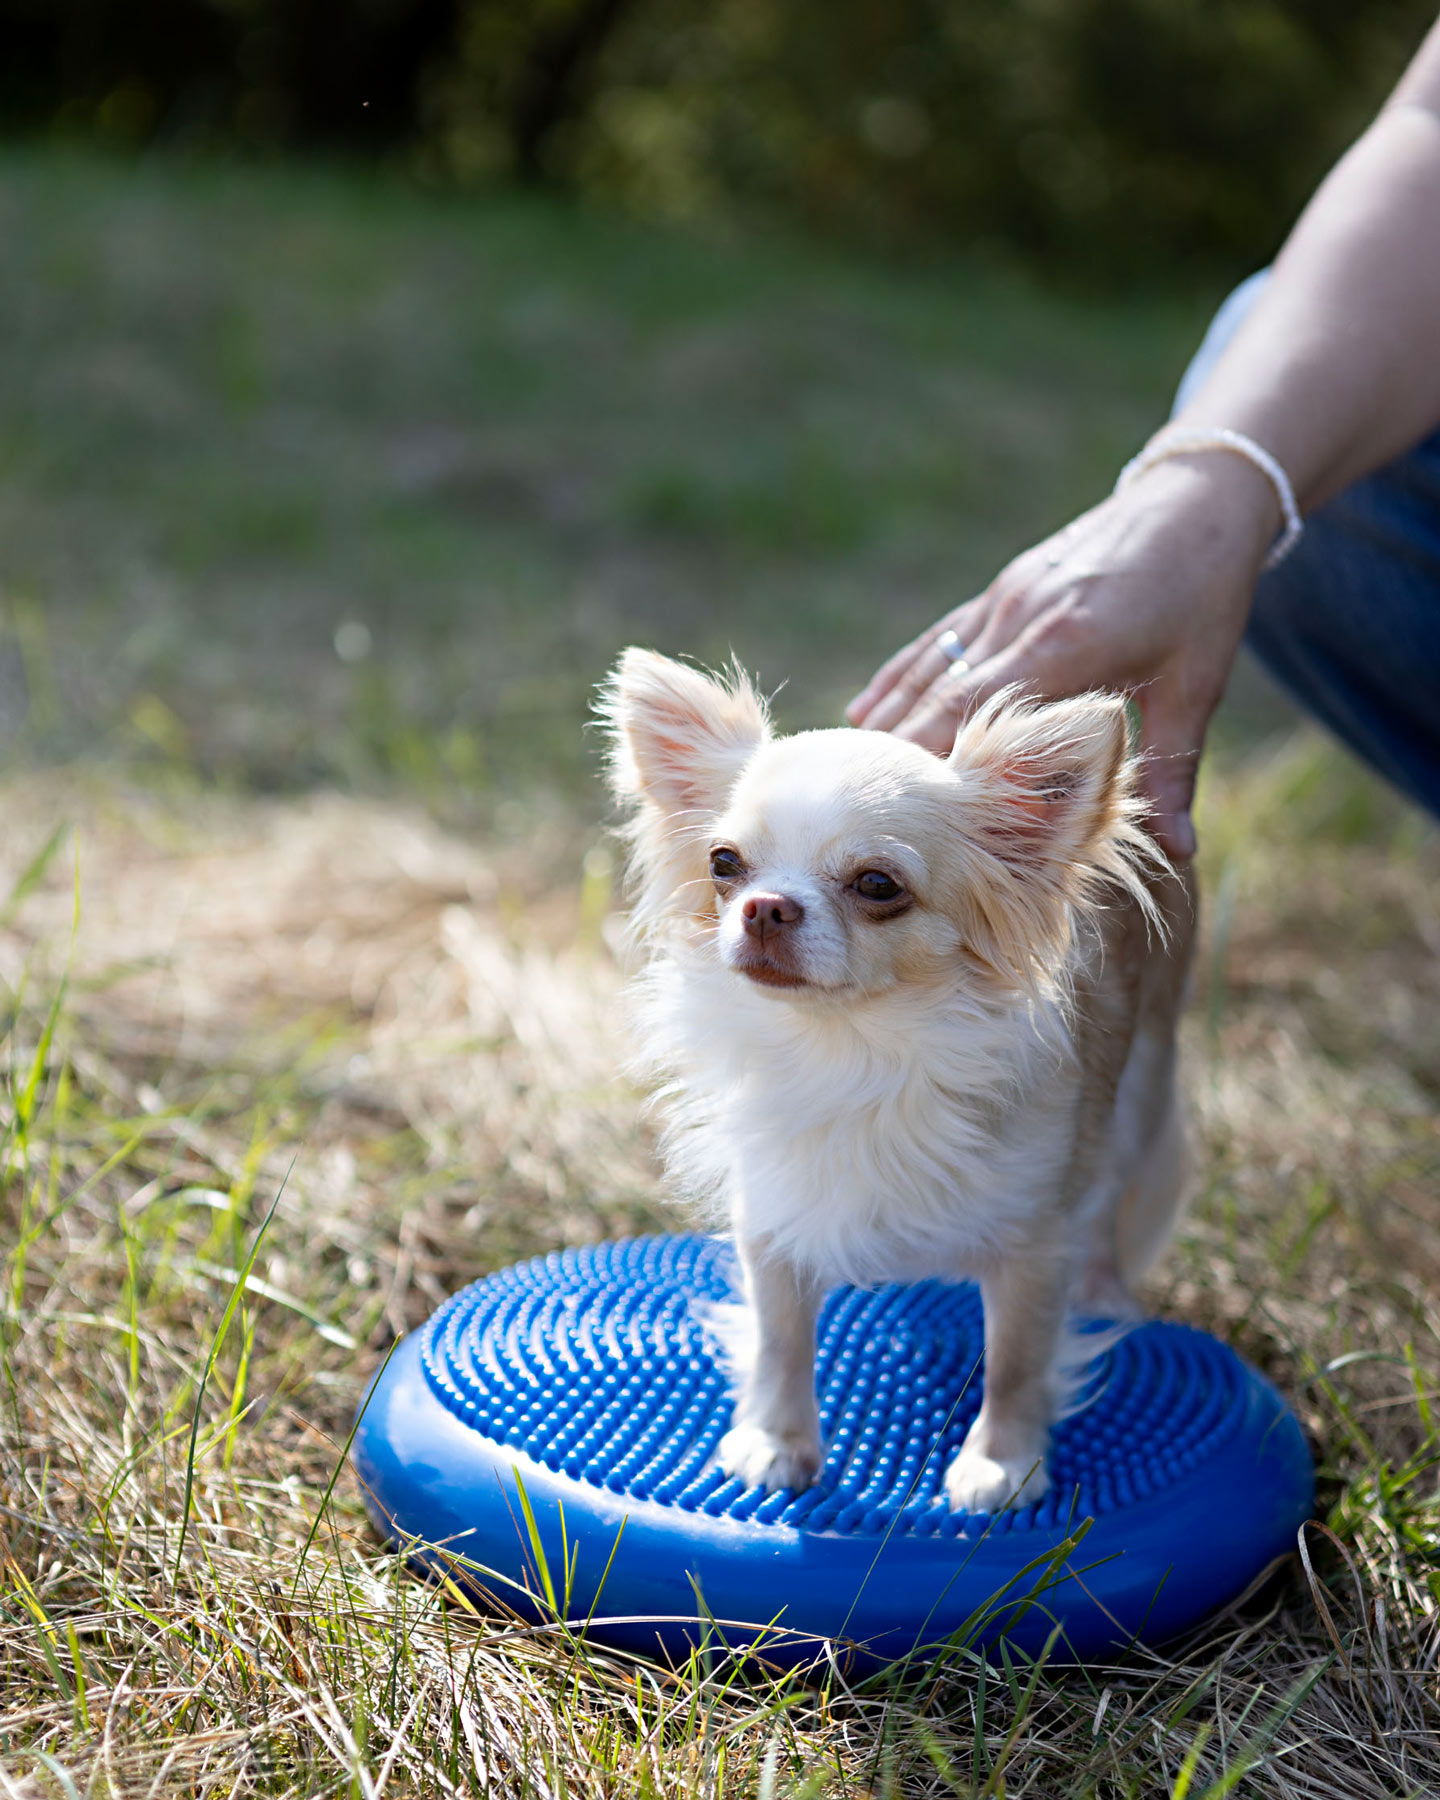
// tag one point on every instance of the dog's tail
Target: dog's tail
(1084, 1362)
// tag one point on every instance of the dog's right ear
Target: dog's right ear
(679, 738)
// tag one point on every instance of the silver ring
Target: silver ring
(949, 645)
(957, 671)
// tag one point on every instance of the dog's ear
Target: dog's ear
(1047, 782)
(679, 738)
(1051, 804)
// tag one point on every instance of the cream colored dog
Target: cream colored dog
(914, 1018)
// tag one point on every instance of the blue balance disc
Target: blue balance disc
(591, 1379)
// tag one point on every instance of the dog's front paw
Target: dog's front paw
(977, 1483)
(769, 1459)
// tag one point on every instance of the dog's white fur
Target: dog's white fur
(973, 1080)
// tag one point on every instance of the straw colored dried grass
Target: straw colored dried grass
(412, 1040)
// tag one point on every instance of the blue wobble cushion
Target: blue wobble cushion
(585, 1386)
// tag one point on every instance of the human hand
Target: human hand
(1148, 592)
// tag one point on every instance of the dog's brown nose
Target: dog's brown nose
(766, 915)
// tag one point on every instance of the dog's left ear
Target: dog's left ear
(680, 737)
(1049, 781)
(1049, 798)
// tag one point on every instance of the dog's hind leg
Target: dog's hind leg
(1138, 1181)
(1150, 1205)
(1132, 1207)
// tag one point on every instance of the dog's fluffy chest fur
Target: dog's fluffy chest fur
(893, 1138)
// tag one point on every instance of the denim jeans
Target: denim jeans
(1349, 624)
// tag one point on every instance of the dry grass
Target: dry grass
(408, 1038)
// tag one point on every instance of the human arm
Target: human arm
(1335, 371)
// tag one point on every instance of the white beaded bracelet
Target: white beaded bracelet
(1186, 442)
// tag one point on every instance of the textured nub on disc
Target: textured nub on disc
(604, 1365)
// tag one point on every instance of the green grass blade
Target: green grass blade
(33, 873)
(340, 1462)
(1186, 1773)
(537, 1547)
(222, 1331)
(60, 1772)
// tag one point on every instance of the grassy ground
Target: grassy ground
(250, 409)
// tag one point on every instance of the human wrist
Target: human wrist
(1180, 441)
(1226, 497)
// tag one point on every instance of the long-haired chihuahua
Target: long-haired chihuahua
(913, 1018)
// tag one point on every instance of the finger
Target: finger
(1037, 662)
(1016, 616)
(900, 670)
(885, 678)
(1021, 614)
(985, 624)
(918, 679)
(931, 666)
(1170, 745)
(932, 723)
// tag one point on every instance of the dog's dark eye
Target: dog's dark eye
(725, 865)
(875, 884)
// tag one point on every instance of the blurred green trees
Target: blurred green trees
(1115, 136)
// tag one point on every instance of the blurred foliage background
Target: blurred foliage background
(1113, 139)
(375, 369)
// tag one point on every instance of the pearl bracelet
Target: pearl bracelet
(1185, 442)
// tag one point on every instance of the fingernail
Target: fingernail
(1182, 835)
